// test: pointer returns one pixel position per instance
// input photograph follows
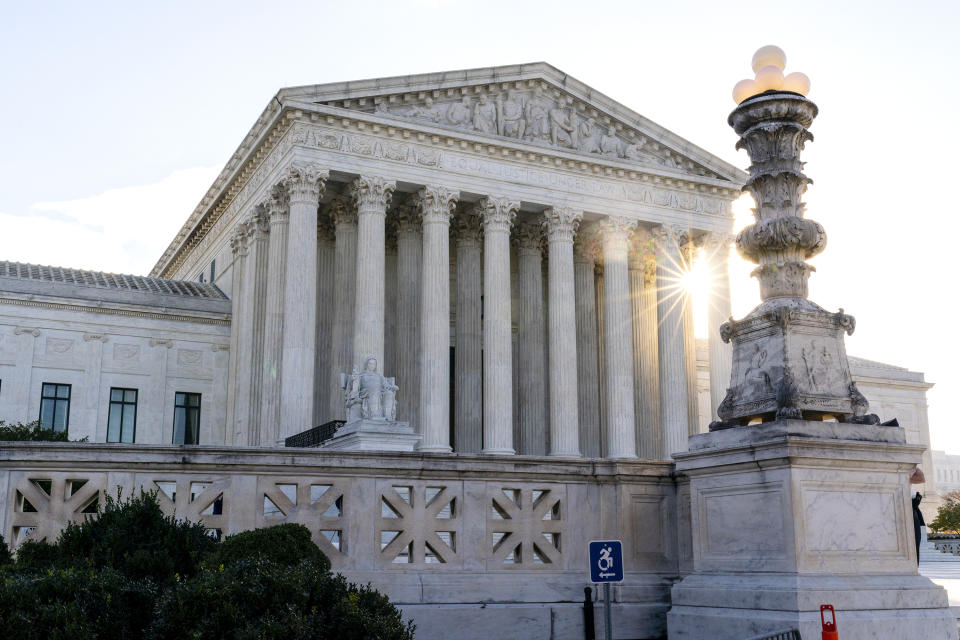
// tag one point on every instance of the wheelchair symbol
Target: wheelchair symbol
(604, 562)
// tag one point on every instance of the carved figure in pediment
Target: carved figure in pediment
(510, 121)
(485, 115)
(459, 114)
(587, 136)
(426, 111)
(610, 143)
(562, 130)
(635, 151)
(538, 116)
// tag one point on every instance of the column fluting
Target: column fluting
(531, 342)
(344, 293)
(436, 206)
(674, 412)
(273, 325)
(256, 283)
(618, 338)
(721, 353)
(236, 424)
(561, 224)
(409, 285)
(645, 350)
(588, 385)
(468, 385)
(498, 215)
(688, 252)
(326, 261)
(371, 195)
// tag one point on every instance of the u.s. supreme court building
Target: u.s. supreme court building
(474, 277)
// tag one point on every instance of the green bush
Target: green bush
(284, 544)
(135, 573)
(33, 432)
(136, 539)
(5, 557)
(948, 516)
(264, 600)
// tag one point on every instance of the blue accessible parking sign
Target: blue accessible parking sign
(606, 561)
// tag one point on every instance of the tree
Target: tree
(32, 431)
(136, 573)
(948, 516)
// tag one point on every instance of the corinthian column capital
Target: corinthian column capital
(406, 218)
(467, 230)
(616, 229)
(498, 213)
(717, 242)
(436, 204)
(304, 182)
(238, 241)
(258, 222)
(561, 223)
(529, 238)
(325, 228)
(642, 250)
(372, 194)
(278, 205)
(341, 212)
(671, 238)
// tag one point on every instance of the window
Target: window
(122, 419)
(213, 270)
(200, 277)
(55, 406)
(186, 418)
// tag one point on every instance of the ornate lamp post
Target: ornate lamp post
(789, 359)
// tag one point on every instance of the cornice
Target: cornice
(222, 320)
(288, 107)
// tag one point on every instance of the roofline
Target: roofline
(281, 103)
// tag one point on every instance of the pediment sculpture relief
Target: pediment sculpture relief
(534, 117)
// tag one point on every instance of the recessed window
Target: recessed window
(122, 420)
(55, 406)
(186, 418)
(200, 277)
(213, 270)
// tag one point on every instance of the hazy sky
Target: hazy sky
(115, 117)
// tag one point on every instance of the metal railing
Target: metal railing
(314, 437)
(786, 634)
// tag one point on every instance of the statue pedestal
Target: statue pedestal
(374, 435)
(788, 515)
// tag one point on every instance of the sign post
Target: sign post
(606, 566)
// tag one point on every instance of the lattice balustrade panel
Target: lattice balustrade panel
(43, 502)
(525, 526)
(420, 523)
(196, 498)
(315, 503)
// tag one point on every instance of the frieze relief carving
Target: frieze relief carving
(537, 115)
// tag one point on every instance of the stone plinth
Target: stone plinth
(793, 514)
(374, 435)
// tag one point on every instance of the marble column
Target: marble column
(409, 257)
(273, 323)
(371, 195)
(304, 185)
(674, 412)
(390, 302)
(618, 338)
(601, 346)
(498, 215)
(468, 387)
(643, 289)
(344, 292)
(236, 425)
(561, 223)
(688, 253)
(531, 342)
(588, 385)
(326, 261)
(436, 206)
(721, 353)
(250, 383)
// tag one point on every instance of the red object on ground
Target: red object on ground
(829, 627)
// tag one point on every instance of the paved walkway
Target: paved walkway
(943, 569)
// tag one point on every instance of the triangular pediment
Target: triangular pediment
(534, 104)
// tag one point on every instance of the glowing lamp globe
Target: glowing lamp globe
(796, 82)
(769, 77)
(769, 55)
(744, 89)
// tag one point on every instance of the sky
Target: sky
(116, 117)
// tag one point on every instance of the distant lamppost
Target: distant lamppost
(789, 360)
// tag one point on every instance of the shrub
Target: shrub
(32, 431)
(285, 544)
(256, 598)
(135, 573)
(136, 539)
(5, 557)
(948, 516)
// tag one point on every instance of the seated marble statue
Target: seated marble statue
(368, 394)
